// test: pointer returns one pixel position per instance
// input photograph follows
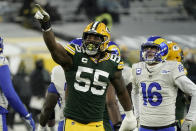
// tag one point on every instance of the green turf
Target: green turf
(193, 128)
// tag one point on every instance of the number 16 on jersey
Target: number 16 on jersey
(153, 97)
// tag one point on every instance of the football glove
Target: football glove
(129, 122)
(30, 122)
(186, 126)
(43, 17)
(41, 128)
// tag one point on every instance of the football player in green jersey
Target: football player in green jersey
(89, 69)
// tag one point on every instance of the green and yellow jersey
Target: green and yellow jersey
(87, 83)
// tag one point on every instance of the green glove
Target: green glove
(43, 17)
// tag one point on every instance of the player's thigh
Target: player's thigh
(72, 125)
(3, 126)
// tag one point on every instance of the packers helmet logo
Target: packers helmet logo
(107, 29)
(175, 48)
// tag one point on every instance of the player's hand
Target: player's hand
(129, 122)
(41, 128)
(43, 17)
(30, 122)
(186, 126)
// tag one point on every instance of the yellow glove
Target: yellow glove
(43, 17)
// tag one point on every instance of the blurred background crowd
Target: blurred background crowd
(130, 22)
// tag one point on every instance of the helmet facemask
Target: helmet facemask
(151, 54)
(92, 45)
(154, 50)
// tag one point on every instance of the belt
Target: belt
(159, 127)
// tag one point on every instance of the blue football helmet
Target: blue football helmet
(1, 45)
(154, 50)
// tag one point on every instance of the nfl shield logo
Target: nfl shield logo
(138, 71)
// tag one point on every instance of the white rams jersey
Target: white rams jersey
(3, 99)
(58, 78)
(127, 76)
(157, 91)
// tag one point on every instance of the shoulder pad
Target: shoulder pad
(117, 59)
(73, 48)
(77, 41)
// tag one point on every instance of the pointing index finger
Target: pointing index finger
(39, 7)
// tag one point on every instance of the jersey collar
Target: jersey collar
(106, 57)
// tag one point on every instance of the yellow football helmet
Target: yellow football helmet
(99, 29)
(175, 52)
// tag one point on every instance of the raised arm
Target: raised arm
(59, 54)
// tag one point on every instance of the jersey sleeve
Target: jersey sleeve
(9, 92)
(135, 92)
(127, 74)
(52, 88)
(58, 77)
(178, 70)
(188, 87)
(133, 74)
(70, 48)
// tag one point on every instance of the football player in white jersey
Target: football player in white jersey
(155, 87)
(8, 95)
(55, 93)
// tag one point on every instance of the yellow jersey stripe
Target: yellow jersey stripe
(105, 58)
(70, 50)
(71, 47)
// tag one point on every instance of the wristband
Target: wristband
(46, 26)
